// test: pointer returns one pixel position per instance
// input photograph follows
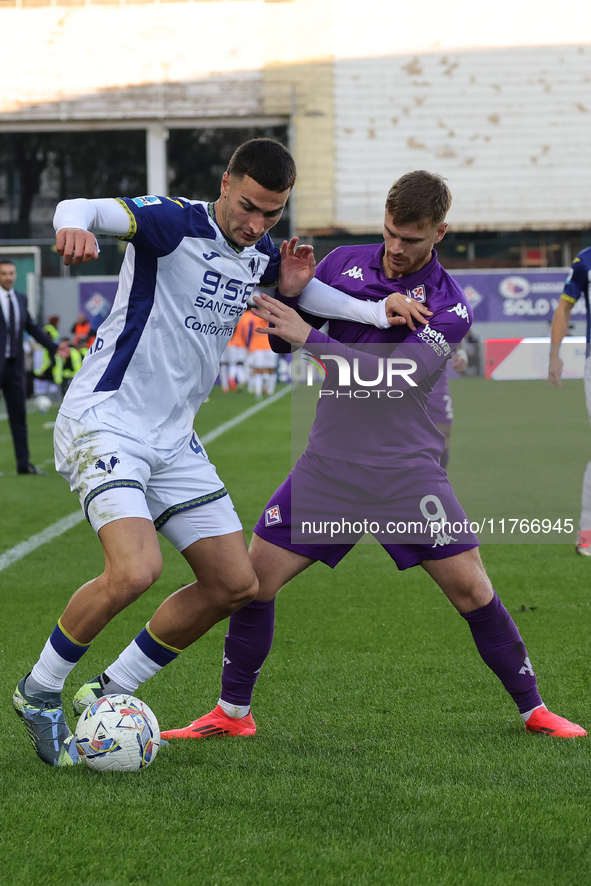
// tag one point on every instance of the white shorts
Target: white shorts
(235, 354)
(263, 360)
(116, 475)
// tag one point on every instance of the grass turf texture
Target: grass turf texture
(386, 752)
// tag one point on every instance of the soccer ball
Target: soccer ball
(118, 733)
(43, 404)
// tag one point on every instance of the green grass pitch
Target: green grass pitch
(386, 751)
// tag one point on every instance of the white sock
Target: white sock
(258, 384)
(132, 668)
(525, 717)
(50, 672)
(270, 383)
(236, 711)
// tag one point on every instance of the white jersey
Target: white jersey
(182, 289)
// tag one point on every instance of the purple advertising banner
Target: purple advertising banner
(496, 296)
(515, 294)
(95, 298)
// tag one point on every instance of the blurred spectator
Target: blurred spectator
(81, 329)
(261, 361)
(15, 320)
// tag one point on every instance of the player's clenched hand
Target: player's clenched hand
(402, 309)
(555, 373)
(76, 245)
(287, 323)
(297, 267)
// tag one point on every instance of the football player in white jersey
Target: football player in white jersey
(124, 435)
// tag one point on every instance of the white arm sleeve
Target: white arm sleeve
(324, 301)
(105, 216)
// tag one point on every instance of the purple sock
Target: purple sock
(502, 649)
(248, 643)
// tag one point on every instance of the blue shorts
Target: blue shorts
(325, 507)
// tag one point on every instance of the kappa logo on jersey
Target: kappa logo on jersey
(461, 310)
(418, 293)
(354, 272)
(107, 466)
(272, 516)
(210, 256)
(148, 200)
(254, 266)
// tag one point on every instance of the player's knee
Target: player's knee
(129, 580)
(245, 591)
(472, 592)
(235, 594)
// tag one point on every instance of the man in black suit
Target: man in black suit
(14, 321)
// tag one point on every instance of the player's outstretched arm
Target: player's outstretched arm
(286, 323)
(76, 220)
(322, 300)
(297, 267)
(401, 309)
(560, 323)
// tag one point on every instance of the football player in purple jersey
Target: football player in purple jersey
(373, 458)
(440, 405)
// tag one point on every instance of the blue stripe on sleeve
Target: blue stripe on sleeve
(271, 274)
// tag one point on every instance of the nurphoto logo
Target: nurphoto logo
(385, 371)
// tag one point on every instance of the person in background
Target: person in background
(70, 365)
(15, 320)
(261, 361)
(81, 329)
(232, 364)
(49, 365)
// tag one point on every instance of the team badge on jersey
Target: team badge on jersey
(254, 265)
(148, 200)
(418, 293)
(106, 464)
(272, 516)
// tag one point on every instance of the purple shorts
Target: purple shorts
(325, 507)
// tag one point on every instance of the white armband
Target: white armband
(104, 216)
(324, 301)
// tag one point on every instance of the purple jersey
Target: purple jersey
(439, 403)
(381, 415)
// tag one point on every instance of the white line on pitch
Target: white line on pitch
(35, 541)
(227, 425)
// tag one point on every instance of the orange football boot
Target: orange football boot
(550, 724)
(215, 723)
